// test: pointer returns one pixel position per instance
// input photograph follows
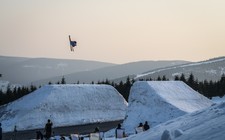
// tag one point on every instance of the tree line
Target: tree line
(16, 93)
(207, 88)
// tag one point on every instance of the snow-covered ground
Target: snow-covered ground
(65, 105)
(203, 119)
(160, 101)
(174, 110)
(181, 66)
(218, 99)
(207, 124)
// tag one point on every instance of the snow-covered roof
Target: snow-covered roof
(65, 105)
(159, 101)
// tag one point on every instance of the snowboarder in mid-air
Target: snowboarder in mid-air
(72, 44)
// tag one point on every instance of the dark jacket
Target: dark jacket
(146, 126)
(39, 135)
(48, 129)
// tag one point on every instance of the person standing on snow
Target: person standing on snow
(119, 132)
(139, 128)
(146, 126)
(48, 129)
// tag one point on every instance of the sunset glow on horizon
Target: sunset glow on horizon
(116, 31)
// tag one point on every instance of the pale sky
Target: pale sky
(117, 31)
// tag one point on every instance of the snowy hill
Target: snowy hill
(111, 72)
(207, 124)
(40, 71)
(65, 105)
(210, 70)
(26, 70)
(160, 101)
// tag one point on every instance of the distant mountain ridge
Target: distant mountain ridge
(111, 72)
(40, 71)
(25, 70)
(211, 69)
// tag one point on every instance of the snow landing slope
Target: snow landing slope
(206, 124)
(160, 101)
(65, 105)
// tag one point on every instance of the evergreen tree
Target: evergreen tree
(121, 88)
(182, 78)
(191, 79)
(32, 88)
(106, 82)
(63, 81)
(164, 78)
(113, 84)
(176, 78)
(191, 82)
(127, 85)
(211, 89)
(1, 98)
(159, 78)
(221, 86)
(201, 88)
(205, 88)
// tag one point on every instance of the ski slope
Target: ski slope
(210, 69)
(65, 105)
(160, 101)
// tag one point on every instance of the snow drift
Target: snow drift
(160, 101)
(206, 124)
(65, 105)
(218, 100)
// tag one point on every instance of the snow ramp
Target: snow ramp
(65, 105)
(206, 124)
(160, 101)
